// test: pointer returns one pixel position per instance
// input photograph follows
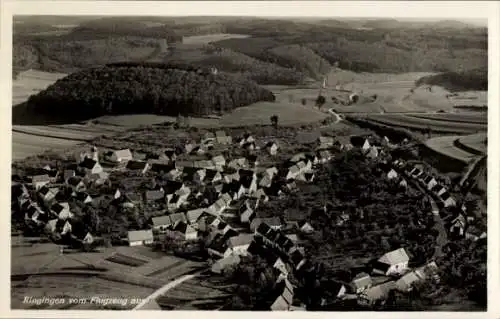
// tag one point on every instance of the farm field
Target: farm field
(410, 122)
(199, 293)
(475, 118)
(392, 90)
(39, 270)
(475, 142)
(31, 82)
(73, 286)
(259, 114)
(446, 146)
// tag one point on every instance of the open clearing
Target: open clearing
(31, 82)
(259, 114)
(204, 39)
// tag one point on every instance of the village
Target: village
(202, 194)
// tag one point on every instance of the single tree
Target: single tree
(320, 101)
(304, 101)
(274, 121)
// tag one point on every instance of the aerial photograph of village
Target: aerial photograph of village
(248, 163)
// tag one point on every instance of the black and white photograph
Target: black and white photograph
(250, 162)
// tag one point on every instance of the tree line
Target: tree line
(458, 81)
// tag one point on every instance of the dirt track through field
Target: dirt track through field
(164, 289)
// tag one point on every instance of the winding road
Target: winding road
(166, 288)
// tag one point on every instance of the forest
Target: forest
(301, 47)
(458, 81)
(148, 88)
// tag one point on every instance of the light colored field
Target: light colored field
(471, 117)
(470, 98)
(445, 145)
(31, 82)
(401, 120)
(55, 132)
(475, 141)
(194, 294)
(260, 113)
(24, 145)
(204, 39)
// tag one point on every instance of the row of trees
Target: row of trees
(168, 91)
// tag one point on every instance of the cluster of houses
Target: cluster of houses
(390, 272)
(45, 199)
(229, 225)
(461, 223)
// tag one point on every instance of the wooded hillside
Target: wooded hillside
(149, 88)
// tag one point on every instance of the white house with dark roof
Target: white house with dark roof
(448, 200)
(458, 225)
(188, 147)
(83, 198)
(430, 185)
(293, 172)
(392, 174)
(119, 156)
(272, 148)
(186, 231)
(392, 263)
(90, 166)
(366, 146)
(48, 194)
(372, 153)
(140, 237)
(67, 228)
(62, 210)
(212, 176)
